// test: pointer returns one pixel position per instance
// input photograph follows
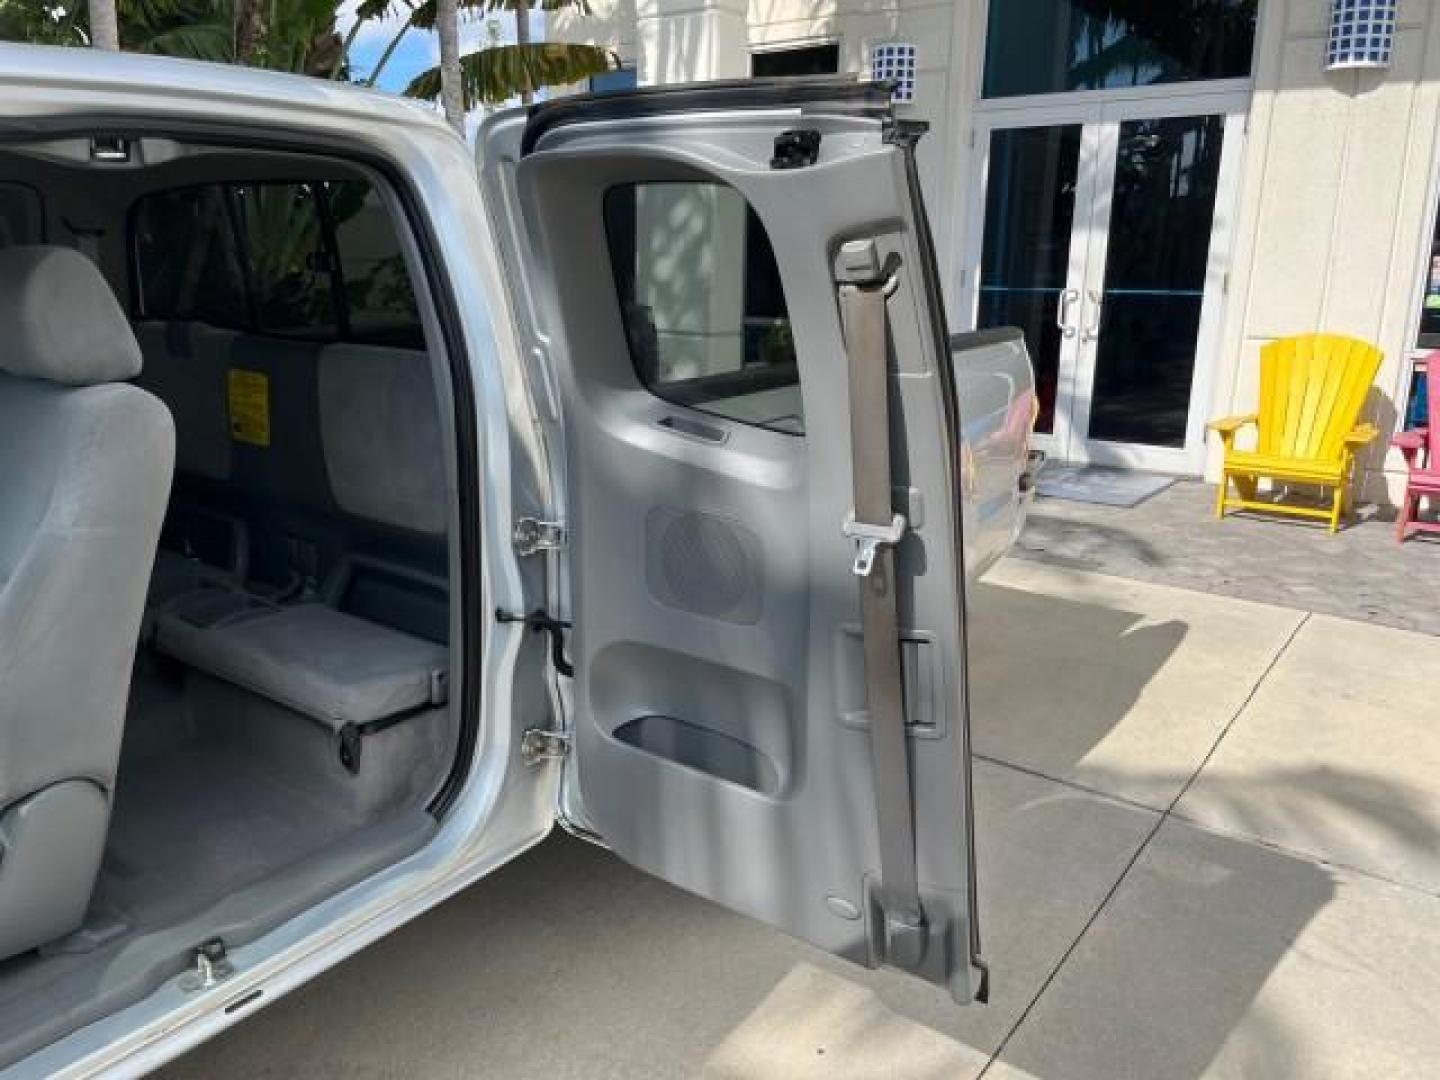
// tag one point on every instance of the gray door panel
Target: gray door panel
(721, 738)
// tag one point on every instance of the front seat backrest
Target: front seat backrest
(85, 468)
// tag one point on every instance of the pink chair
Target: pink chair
(1421, 447)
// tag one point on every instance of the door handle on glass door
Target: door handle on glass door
(1097, 308)
(1062, 311)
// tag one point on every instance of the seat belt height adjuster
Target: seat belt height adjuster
(870, 538)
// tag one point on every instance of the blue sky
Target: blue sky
(418, 50)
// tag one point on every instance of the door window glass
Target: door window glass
(22, 215)
(1161, 214)
(1025, 257)
(821, 59)
(1047, 46)
(702, 302)
(1430, 305)
(317, 260)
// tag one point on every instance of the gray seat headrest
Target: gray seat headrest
(60, 321)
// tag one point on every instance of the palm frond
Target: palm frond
(382, 9)
(201, 41)
(424, 18)
(495, 75)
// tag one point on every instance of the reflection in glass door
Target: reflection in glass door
(1145, 317)
(1027, 278)
(1099, 240)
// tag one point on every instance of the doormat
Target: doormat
(1107, 487)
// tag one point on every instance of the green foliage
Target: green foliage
(44, 23)
(495, 75)
(300, 36)
(423, 17)
(297, 35)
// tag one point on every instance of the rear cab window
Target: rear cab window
(314, 260)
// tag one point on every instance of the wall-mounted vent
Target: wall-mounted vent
(1362, 34)
(894, 62)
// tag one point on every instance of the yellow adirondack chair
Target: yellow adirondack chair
(1312, 389)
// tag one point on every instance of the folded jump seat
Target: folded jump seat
(340, 654)
(353, 676)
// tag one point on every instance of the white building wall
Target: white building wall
(1337, 206)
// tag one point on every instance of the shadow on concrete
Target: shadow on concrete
(568, 963)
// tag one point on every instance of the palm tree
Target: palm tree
(522, 38)
(496, 74)
(300, 36)
(104, 25)
(249, 29)
(447, 25)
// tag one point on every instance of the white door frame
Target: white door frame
(1084, 117)
(1101, 113)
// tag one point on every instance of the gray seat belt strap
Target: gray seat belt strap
(876, 529)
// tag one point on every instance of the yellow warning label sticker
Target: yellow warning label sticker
(249, 397)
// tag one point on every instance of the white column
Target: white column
(691, 40)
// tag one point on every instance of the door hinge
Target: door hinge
(531, 535)
(538, 745)
(210, 965)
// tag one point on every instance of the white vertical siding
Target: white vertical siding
(1336, 205)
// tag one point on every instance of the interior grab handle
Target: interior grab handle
(1062, 311)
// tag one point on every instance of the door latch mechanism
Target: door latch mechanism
(211, 966)
(796, 149)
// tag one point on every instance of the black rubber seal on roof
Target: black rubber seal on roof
(841, 94)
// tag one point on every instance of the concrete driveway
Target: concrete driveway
(1209, 845)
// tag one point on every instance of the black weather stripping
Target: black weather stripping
(827, 93)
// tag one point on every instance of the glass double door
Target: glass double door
(1102, 232)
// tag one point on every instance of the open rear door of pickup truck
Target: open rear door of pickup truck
(737, 287)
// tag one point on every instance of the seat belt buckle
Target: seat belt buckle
(870, 538)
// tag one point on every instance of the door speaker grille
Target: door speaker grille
(704, 564)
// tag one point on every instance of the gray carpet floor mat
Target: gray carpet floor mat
(200, 831)
(193, 825)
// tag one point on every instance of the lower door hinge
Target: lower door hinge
(531, 535)
(538, 745)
